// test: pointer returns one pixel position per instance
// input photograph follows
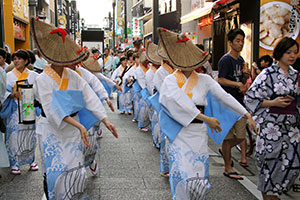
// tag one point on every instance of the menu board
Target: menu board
(278, 19)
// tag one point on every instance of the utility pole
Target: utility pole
(155, 14)
(114, 21)
(125, 18)
(55, 13)
(1, 25)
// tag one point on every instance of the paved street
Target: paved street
(129, 169)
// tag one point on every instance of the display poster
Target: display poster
(278, 19)
(19, 30)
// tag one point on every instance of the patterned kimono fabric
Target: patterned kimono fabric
(188, 153)
(135, 99)
(153, 116)
(277, 145)
(164, 159)
(20, 138)
(63, 151)
(90, 152)
(143, 116)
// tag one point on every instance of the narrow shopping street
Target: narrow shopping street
(129, 170)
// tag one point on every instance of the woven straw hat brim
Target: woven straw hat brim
(91, 63)
(161, 51)
(52, 47)
(151, 54)
(143, 57)
(184, 56)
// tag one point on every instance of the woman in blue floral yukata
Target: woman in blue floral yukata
(273, 99)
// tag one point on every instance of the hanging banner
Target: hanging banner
(119, 18)
(278, 19)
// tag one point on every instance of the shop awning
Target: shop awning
(203, 11)
(197, 13)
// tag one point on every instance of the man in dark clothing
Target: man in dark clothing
(231, 76)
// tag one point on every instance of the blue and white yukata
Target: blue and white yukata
(152, 112)
(95, 84)
(135, 97)
(124, 98)
(20, 138)
(188, 152)
(143, 116)
(107, 83)
(62, 144)
(4, 162)
(158, 79)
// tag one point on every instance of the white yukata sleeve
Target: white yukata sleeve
(224, 97)
(180, 106)
(95, 84)
(140, 76)
(91, 100)
(43, 91)
(104, 78)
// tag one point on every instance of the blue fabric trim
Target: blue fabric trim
(106, 87)
(154, 100)
(168, 125)
(145, 95)
(137, 88)
(67, 102)
(9, 105)
(225, 115)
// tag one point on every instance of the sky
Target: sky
(94, 11)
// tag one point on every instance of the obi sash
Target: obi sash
(289, 110)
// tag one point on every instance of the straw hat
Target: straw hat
(55, 45)
(180, 51)
(161, 51)
(91, 63)
(151, 53)
(143, 57)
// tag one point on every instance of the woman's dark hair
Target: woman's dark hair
(123, 58)
(282, 47)
(3, 53)
(233, 33)
(129, 54)
(31, 56)
(136, 55)
(94, 50)
(265, 58)
(22, 54)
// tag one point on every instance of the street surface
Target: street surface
(129, 170)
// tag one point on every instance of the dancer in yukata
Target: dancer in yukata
(273, 99)
(20, 138)
(153, 115)
(63, 96)
(183, 94)
(143, 117)
(124, 99)
(159, 77)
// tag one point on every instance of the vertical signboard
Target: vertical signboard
(137, 27)
(120, 19)
(278, 19)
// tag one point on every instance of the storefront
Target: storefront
(197, 23)
(16, 24)
(229, 14)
